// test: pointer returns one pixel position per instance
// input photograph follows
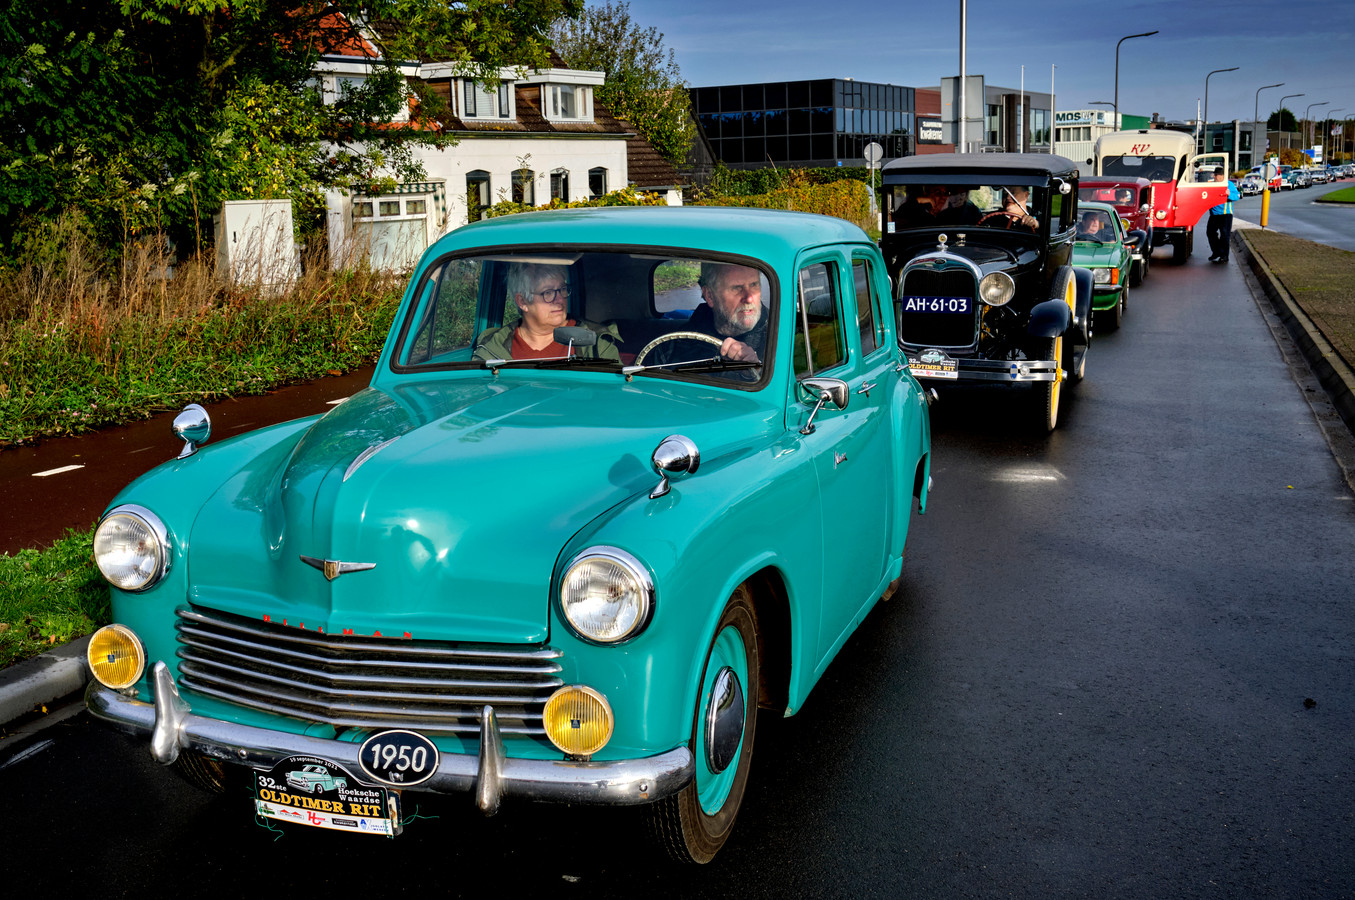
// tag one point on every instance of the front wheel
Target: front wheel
(1049, 393)
(693, 825)
(1111, 319)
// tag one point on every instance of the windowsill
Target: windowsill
(412, 218)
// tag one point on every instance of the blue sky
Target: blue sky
(1309, 47)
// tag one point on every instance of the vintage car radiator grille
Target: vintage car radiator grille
(942, 330)
(365, 682)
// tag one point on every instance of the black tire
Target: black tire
(1110, 319)
(1048, 394)
(203, 772)
(680, 824)
(1180, 249)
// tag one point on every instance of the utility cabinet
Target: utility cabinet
(254, 243)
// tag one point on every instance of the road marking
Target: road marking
(245, 425)
(142, 450)
(56, 471)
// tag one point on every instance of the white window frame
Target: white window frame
(501, 102)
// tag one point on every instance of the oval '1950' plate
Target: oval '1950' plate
(399, 758)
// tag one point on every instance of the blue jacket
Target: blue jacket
(1226, 207)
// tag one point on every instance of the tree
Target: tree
(644, 85)
(1281, 120)
(148, 113)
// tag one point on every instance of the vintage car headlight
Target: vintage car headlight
(606, 595)
(997, 288)
(115, 656)
(1101, 276)
(578, 720)
(131, 548)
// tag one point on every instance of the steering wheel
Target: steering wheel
(675, 336)
(1012, 218)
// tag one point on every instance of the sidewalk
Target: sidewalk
(1309, 284)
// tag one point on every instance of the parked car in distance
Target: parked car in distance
(1132, 199)
(1100, 246)
(566, 565)
(1250, 185)
(979, 248)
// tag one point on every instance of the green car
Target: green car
(1102, 246)
(622, 478)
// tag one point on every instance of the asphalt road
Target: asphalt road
(1298, 213)
(1120, 666)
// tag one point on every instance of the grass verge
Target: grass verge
(50, 597)
(1344, 195)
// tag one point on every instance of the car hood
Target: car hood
(1087, 253)
(455, 497)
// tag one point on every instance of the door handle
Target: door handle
(865, 387)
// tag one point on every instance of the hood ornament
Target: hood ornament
(333, 568)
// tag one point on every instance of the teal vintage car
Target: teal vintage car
(622, 477)
(1102, 245)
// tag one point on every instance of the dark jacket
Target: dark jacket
(703, 321)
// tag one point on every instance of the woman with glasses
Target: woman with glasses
(541, 294)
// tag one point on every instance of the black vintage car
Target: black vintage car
(979, 248)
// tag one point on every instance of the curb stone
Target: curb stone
(55, 674)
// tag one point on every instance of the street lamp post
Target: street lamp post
(1117, 70)
(1205, 125)
(1256, 114)
(1306, 113)
(1281, 106)
(1331, 117)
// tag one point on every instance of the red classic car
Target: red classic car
(1133, 200)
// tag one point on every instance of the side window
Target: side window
(446, 316)
(867, 325)
(818, 330)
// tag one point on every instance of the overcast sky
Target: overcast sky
(1308, 46)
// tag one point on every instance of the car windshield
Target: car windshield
(1095, 225)
(1154, 168)
(1006, 207)
(1119, 196)
(684, 317)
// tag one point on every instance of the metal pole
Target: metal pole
(1205, 123)
(1310, 121)
(1021, 114)
(1326, 132)
(1280, 118)
(1117, 70)
(964, 115)
(1255, 114)
(1053, 109)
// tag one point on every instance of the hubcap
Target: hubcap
(724, 721)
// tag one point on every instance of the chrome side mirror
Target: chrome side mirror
(192, 426)
(824, 390)
(676, 454)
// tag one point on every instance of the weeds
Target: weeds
(85, 343)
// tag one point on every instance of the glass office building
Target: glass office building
(825, 122)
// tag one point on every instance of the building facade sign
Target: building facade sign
(930, 131)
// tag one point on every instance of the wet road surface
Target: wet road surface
(1120, 666)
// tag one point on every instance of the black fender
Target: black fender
(1049, 319)
(1139, 239)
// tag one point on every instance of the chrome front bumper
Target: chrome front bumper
(1020, 371)
(490, 774)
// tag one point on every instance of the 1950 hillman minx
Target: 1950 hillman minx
(622, 477)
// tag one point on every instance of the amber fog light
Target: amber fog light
(578, 720)
(115, 656)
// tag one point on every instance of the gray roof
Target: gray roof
(982, 164)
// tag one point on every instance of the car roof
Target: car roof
(761, 233)
(1045, 164)
(1113, 182)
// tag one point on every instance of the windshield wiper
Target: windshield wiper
(709, 364)
(567, 361)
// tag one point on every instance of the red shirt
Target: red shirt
(520, 349)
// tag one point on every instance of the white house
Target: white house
(536, 135)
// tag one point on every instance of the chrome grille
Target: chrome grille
(351, 681)
(941, 330)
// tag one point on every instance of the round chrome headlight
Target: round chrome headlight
(606, 595)
(131, 548)
(997, 288)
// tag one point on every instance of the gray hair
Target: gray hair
(522, 277)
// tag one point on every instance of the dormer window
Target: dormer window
(479, 101)
(568, 102)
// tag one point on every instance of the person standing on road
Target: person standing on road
(1220, 227)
